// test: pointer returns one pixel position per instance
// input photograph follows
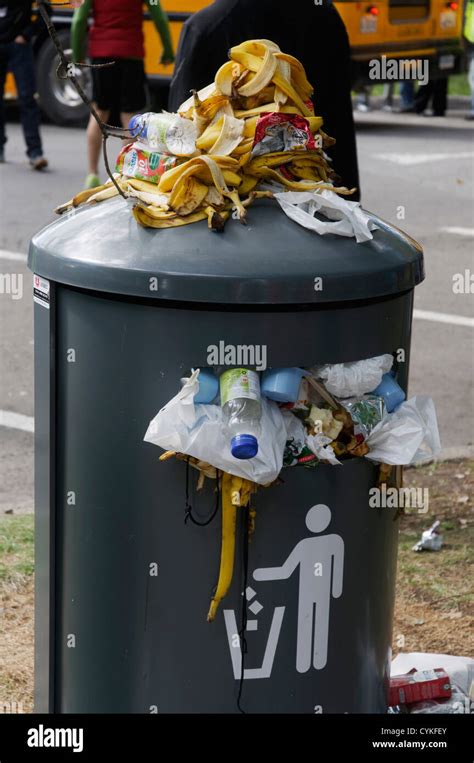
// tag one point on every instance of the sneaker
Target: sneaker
(92, 181)
(39, 163)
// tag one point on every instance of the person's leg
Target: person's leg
(103, 89)
(388, 92)
(363, 98)
(132, 89)
(3, 75)
(440, 97)
(470, 76)
(407, 94)
(23, 67)
(125, 117)
(423, 96)
(94, 140)
(471, 79)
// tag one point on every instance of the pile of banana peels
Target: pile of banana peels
(239, 120)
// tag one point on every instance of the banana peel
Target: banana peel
(236, 492)
(222, 177)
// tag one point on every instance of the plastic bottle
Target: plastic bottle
(240, 400)
(164, 133)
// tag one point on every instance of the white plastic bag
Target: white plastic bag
(354, 379)
(198, 431)
(408, 436)
(345, 218)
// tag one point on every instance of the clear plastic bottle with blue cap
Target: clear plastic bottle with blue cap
(242, 410)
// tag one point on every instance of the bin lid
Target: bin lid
(271, 260)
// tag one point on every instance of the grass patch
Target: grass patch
(16, 612)
(16, 548)
(439, 578)
(435, 589)
(458, 85)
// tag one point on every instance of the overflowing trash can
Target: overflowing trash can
(123, 582)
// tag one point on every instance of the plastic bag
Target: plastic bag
(198, 431)
(408, 436)
(319, 445)
(458, 704)
(345, 218)
(431, 539)
(354, 379)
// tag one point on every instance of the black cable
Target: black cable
(243, 617)
(188, 513)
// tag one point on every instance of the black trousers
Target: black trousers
(435, 90)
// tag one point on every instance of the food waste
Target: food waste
(321, 415)
(249, 133)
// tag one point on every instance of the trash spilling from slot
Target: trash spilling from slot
(242, 428)
(250, 134)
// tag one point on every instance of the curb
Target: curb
(456, 453)
(453, 453)
(455, 102)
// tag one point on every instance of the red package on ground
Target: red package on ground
(276, 131)
(419, 685)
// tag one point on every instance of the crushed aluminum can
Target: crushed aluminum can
(430, 539)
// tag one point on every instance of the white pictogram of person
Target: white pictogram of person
(321, 563)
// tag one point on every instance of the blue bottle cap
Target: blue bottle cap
(244, 446)
(134, 125)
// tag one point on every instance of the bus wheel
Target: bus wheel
(58, 97)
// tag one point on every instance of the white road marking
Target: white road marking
(13, 420)
(458, 231)
(13, 256)
(454, 320)
(407, 159)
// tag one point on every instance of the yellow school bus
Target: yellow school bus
(428, 29)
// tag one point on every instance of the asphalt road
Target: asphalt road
(423, 165)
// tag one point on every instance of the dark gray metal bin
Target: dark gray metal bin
(110, 347)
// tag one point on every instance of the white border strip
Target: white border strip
(13, 420)
(458, 231)
(454, 320)
(13, 256)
